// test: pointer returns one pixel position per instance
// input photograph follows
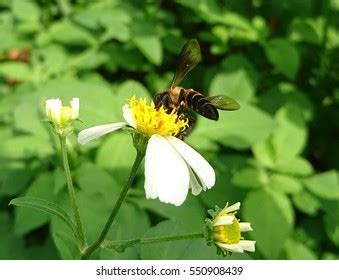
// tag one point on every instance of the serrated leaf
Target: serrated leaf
(47, 207)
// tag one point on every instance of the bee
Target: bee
(181, 100)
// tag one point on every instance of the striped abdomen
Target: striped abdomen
(200, 104)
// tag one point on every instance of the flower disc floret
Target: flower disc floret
(149, 120)
(228, 234)
(224, 230)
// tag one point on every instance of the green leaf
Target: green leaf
(25, 10)
(250, 178)
(284, 94)
(67, 32)
(190, 212)
(285, 184)
(127, 89)
(271, 216)
(47, 207)
(12, 247)
(235, 84)
(147, 41)
(174, 250)
(332, 220)
(302, 30)
(16, 70)
(97, 105)
(151, 47)
(324, 185)
(298, 251)
(89, 177)
(284, 56)
(25, 147)
(239, 129)
(115, 20)
(116, 153)
(28, 119)
(15, 181)
(29, 219)
(265, 153)
(131, 223)
(289, 138)
(306, 202)
(237, 80)
(295, 166)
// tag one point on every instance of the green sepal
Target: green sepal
(140, 143)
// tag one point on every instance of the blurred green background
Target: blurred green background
(278, 155)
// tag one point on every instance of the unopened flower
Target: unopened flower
(62, 117)
(171, 166)
(224, 230)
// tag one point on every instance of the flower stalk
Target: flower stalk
(81, 240)
(121, 245)
(141, 149)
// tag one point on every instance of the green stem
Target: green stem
(121, 245)
(97, 243)
(74, 203)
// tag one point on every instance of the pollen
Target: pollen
(150, 120)
(227, 234)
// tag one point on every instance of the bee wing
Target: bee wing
(223, 102)
(189, 57)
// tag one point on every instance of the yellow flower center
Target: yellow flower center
(65, 115)
(151, 121)
(227, 234)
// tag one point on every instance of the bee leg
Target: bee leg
(188, 129)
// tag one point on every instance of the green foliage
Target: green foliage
(278, 154)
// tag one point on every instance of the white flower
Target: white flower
(62, 117)
(171, 166)
(227, 231)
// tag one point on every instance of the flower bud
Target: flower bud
(62, 117)
(224, 230)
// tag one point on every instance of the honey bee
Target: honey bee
(181, 100)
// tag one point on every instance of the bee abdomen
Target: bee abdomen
(199, 103)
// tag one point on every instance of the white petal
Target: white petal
(236, 248)
(53, 108)
(247, 245)
(224, 220)
(245, 227)
(128, 115)
(194, 184)
(201, 167)
(166, 173)
(95, 132)
(232, 208)
(75, 108)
